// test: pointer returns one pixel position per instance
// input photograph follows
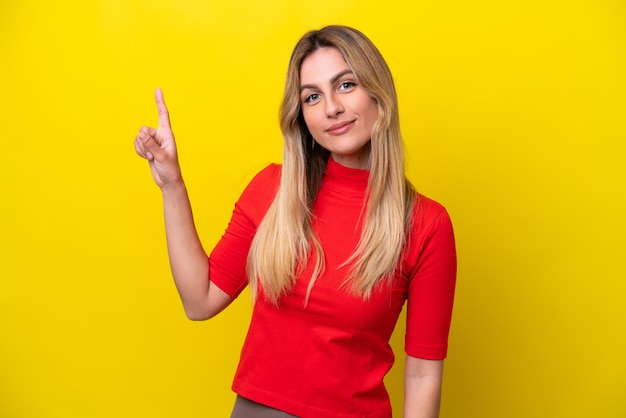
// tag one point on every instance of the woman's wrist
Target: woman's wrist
(174, 187)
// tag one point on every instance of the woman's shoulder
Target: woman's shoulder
(431, 233)
(428, 211)
(266, 177)
(260, 191)
(426, 204)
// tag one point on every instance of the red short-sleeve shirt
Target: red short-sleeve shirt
(328, 359)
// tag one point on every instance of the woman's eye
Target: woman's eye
(346, 85)
(312, 97)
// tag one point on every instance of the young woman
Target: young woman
(332, 243)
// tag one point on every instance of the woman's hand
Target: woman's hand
(159, 148)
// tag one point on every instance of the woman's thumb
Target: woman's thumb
(151, 146)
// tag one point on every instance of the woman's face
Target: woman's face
(339, 113)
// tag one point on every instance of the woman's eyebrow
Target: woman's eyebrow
(332, 80)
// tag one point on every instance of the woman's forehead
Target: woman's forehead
(322, 66)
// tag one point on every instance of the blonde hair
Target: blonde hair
(285, 240)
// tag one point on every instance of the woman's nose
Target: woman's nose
(333, 106)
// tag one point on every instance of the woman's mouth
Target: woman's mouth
(340, 128)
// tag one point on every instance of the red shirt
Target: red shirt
(328, 359)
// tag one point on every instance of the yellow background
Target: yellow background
(514, 118)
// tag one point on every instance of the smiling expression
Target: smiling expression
(338, 112)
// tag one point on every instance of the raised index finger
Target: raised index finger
(164, 116)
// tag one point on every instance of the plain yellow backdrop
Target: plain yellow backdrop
(513, 116)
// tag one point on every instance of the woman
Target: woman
(332, 243)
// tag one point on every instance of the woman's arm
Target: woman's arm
(188, 260)
(422, 387)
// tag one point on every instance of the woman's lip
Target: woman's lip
(340, 128)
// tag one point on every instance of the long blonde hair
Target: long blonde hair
(285, 240)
